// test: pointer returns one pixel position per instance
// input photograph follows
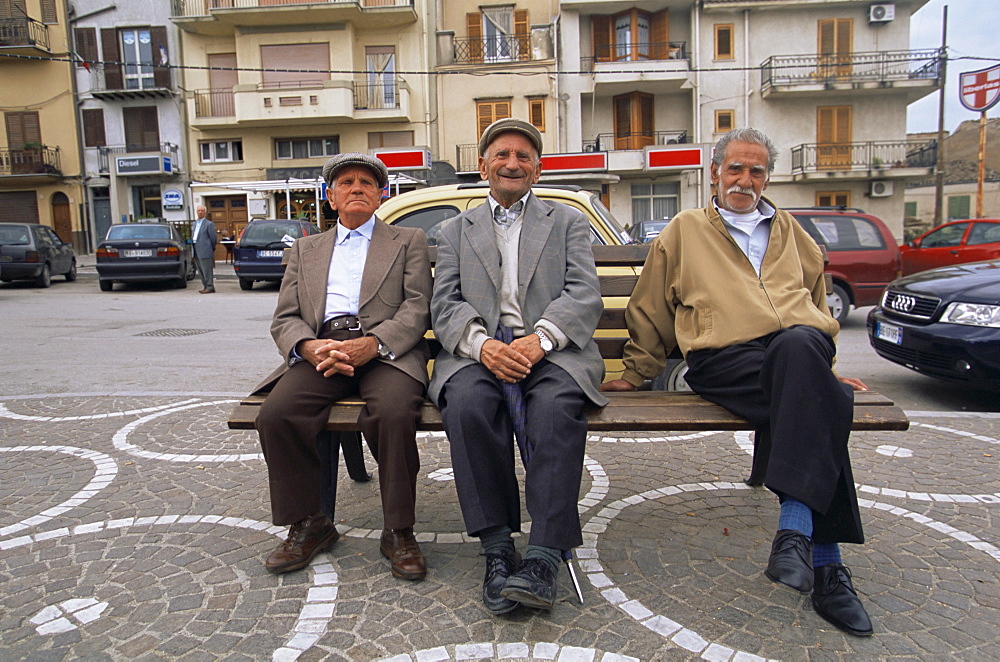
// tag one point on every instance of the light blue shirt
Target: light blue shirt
(750, 231)
(343, 281)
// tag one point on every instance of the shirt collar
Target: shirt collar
(763, 211)
(494, 204)
(365, 230)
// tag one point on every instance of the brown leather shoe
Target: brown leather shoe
(210, 290)
(404, 555)
(306, 538)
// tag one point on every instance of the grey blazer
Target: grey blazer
(557, 280)
(204, 243)
(395, 295)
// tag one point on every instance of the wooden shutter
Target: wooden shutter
(161, 55)
(522, 34)
(536, 113)
(93, 127)
(113, 79)
(659, 35)
(835, 44)
(142, 131)
(49, 14)
(474, 29)
(833, 136)
(724, 41)
(603, 43)
(86, 44)
(22, 128)
(646, 118)
(488, 112)
(295, 56)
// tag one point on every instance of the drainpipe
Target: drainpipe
(746, 66)
(86, 243)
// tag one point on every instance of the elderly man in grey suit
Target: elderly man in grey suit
(351, 315)
(515, 305)
(204, 240)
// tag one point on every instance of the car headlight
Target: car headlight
(972, 314)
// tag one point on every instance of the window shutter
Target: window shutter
(22, 128)
(86, 44)
(522, 33)
(659, 31)
(142, 132)
(93, 127)
(827, 36)
(646, 115)
(295, 56)
(474, 28)
(113, 79)
(601, 28)
(536, 113)
(49, 14)
(161, 55)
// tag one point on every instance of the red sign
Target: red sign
(688, 157)
(980, 90)
(404, 159)
(582, 162)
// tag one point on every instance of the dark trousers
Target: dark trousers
(206, 269)
(482, 452)
(783, 385)
(296, 411)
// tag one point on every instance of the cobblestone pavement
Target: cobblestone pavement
(134, 527)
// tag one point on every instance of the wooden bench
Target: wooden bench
(640, 411)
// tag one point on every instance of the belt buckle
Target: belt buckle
(356, 327)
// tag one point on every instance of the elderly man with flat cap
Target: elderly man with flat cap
(350, 321)
(515, 305)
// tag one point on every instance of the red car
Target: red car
(958, 242)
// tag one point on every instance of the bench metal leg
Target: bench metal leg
(761, 453)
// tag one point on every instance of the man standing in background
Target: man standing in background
(203, 238)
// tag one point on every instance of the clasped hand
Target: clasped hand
(339, 357)
(512, 363)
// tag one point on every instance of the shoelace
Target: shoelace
(841, 575)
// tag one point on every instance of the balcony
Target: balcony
(122, 82)
(29, 165)
(493, 50)
(912, 73)
(864, 160)
(661, 67)
(221, 17)
(23, 36)
(606, 142)
(106, 154)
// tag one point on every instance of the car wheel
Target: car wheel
(181, 283)
(246, 284)
(839, 302)
(672, 378)
(192, 271)
(71, 274)
(106, 285)
(44, 279)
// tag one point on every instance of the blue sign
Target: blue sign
(173, 200)
(167, 164)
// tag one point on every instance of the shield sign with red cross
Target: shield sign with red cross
(980, 90)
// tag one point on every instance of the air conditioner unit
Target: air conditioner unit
(881, 13)
(880, 189)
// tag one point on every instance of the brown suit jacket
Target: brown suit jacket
(394, 304)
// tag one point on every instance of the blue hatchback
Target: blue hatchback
(259, 250)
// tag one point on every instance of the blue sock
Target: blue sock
(795, 515)
(825, 554)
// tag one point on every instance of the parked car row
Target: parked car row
(30, 251)
(144, 252)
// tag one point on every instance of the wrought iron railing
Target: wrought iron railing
(605, 142)
(850, 67)
(205, 7)
(214, 103)
(125, 78)
(24, 32)
(505, 48)
(636, 52)
(31, 161)
(370, 95)
(105, 154)
(871, 155)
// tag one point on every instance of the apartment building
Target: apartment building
(130, 112)
(39, 147)
(275, 87)
(646, 88)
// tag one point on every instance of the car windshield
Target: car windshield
(14, 235)
(138, 232)
(271, 234)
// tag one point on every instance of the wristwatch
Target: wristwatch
(546, 342)
(383, 351)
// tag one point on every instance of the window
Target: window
(148, 201)
(536, 112)
(833, 198)
(835, 43)
(725, 121)
(140, 50)
(380, 90)
(49, 14)
(498, 34)
(833, 137)
(655, 201)
(137, 54)
(142, 130)
(631, 35)
(22, 129)
(910, 209)
(945, 237)
(306, 148)
(633, 120)
(86, 45)
(221, 150)
(378, 139)
(93, 127)
(488, 112)
(983, 233)
(724, 47)
(958, 207)
(278, 59)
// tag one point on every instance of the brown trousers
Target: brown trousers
(296, 411)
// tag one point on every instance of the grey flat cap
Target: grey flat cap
(510, 124)
(341, 161)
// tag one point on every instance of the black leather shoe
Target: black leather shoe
(835, 599)
(790, 562)
(306, 538)
(498, 568)
(533, 585)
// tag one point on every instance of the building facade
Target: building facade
(39, 146)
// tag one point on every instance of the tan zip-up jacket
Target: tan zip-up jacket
(698, 290)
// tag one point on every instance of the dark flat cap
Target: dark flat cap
(341, 161)
(510, 124)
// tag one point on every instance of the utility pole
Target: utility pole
(939, 169)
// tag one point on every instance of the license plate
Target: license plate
(269, 253)
(889, 333)
(138, 252)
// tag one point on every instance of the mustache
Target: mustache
(736, 188)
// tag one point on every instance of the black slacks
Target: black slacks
(782, 383)
(296, 411)
(482, 452)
